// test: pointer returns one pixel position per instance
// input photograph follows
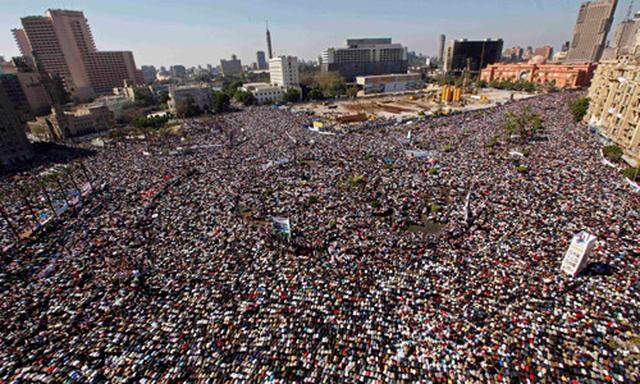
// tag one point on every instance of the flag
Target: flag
(282, 225)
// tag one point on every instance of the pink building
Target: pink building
(561, 75)
(62, 42)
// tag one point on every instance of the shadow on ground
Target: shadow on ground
(47, 154)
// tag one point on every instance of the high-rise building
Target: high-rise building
(513, 54)
(14, 145)
(546, 51)
(231, 67)
(283, 71)
(178, 71)
(441, 47)
(624, 38)
(614, 101)
(62, 42)
(269, 46)
(476, 55)
(261, 60)
(591, 29)
(362, 57)
(149, 73)
(36, 100)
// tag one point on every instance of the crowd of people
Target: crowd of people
(398, 268)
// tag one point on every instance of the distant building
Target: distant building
(231, 67)
(546, 51)
(623, 38)
(591, 29)
(261, 60)
(283, 71)
(513, 54)
(441, 47)
(363, 57)
(11, 85)
(528, 53)
(178, 71)
(32, 85)
(149, 73)
(201, 95)
(265, 93)
(560, 57)
(565, 76)
(476, 54)
(14, 145)
(62, 42)
(615, 99)
(115, 103)
(390, 83)
(86, 120)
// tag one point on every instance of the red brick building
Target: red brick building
(561, 75)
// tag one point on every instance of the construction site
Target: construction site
(432, 101)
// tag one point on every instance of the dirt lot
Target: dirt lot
(404, 106)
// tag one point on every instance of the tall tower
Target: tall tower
(591, 29)
(443, 38)
(269, 48)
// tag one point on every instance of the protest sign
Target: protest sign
(282, 225)
(577, 256)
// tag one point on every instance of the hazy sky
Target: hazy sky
(191, 32)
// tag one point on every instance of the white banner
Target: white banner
(577, 256)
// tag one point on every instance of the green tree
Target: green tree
(579, 108)
(631, 173)
(163, 97)
(291, 95)
(331, 83)
(144, 97)
(187, 108)
(315, 93)
(612, 153)
(352, 92)
(221, 102)
(526, 124)
(230, 87)
(150, 122)
(244, 97)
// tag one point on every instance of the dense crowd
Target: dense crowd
(171, 271)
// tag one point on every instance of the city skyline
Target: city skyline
(200, 32)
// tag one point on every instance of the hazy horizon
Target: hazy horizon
(202, 32)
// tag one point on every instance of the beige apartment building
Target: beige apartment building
(623, 39)
(590, 32)
(14, 145)
(615, 103)
(283, 71)
(63, 44)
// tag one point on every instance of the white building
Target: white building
(264, 92)
(200, 93)
(390, 83)
(115, 104)
(283, 71)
